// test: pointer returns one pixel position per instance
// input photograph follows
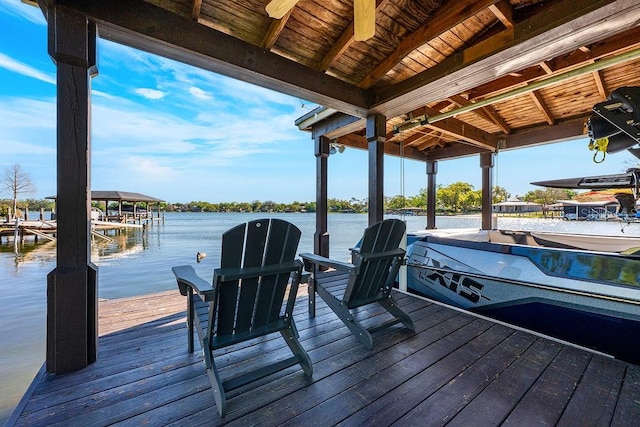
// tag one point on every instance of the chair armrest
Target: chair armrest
(310, 258)
(231, 273)
(186, 276)
(387, 254)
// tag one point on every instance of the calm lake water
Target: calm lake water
(140, 263)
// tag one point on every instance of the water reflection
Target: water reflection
(117, 245)
(29, 250)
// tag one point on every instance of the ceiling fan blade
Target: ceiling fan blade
(278, 8)
(364, 19)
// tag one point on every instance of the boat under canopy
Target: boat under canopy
(585, 289)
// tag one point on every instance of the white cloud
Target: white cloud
(150, 93)
(24, 69)
(199, 93)
(101, 93)
(25, 11)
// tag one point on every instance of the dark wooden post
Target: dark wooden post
(376, 137)
(72, 333)
(486, 163)
(432, 171)
(321, 236)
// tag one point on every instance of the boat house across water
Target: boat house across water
(128, 206)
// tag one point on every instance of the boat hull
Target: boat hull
(591, 299)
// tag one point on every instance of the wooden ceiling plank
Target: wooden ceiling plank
(166, 34)
(542, 106)
(448, 15)
(276, 27)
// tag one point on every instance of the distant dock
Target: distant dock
(47, 229)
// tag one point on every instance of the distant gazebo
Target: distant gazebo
(127, 203)
(124, 196)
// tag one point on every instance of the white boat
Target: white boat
(587, 242)
(588, 294)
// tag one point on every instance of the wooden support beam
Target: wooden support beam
(486, 163)
(432, 171)
(376, 137)
(321, 236)
(72, 327)
(542, 106)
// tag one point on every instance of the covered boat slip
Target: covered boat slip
(439, 80)
(457, 369)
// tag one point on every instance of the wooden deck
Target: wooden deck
(457, 370)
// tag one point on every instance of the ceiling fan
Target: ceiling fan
(364, 12)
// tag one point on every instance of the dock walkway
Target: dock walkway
(457, 370)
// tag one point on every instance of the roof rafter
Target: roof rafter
(487, 113)
(462, 131)
(542, 106)
(449, 14)
(344, 41)
(504, 12)
(602, 90)
(195, 12)
(276, 27)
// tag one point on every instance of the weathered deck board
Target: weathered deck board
(457, 369)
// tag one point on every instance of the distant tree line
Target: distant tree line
(459, 197)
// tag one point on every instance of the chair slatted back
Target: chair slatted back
(375, 277)
(250, 303)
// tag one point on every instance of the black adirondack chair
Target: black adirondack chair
(369, 279)
(247, 299)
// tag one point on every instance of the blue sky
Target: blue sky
(183, 134)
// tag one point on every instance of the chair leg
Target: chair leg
(392, 307)
(347, 318)
(291, 339)
(190, 317)
(311, 291)
(214, 378)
